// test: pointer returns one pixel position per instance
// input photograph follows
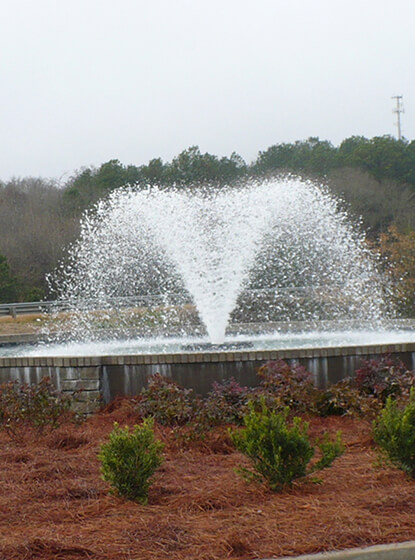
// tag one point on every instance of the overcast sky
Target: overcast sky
(85, 81)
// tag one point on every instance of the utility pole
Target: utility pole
(399, 109)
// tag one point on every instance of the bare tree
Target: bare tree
(378, 203)
(34, 229)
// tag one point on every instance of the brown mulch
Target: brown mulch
(54, 504)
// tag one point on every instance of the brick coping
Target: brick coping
(206, 357)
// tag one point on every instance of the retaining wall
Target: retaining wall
(102, 378)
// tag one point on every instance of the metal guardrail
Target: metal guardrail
(15, 309)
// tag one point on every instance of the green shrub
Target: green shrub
(40, 406)
(129, 460)
(279, 453)
(166, 402)
(394, 432)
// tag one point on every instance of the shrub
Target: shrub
(291, 385)
(166, 402)
(226, 403)
(40, 406)
(384, 377)
(129, 460)
(394, 432)
(343, 398)
(279, 453)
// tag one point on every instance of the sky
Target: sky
(86, 81)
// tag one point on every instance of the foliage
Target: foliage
(279, 453)
(290, 385)
(192, 167)
(188, 168)
(8, 284)
(383, 377)
(366, 393)
(340, 399)
(311, 155)
(129, 460)
(329, 451)
(375, 176)
(166, 402)
(384, 157)
(90, 184)
(226, 403)
(394, 432)
(40, 406)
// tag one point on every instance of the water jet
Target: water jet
(204, 260)
(204, 275)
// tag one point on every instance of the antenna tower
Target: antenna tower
(398, 110)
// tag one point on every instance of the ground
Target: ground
(54, 504)
(23, 324)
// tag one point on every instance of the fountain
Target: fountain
(265, 267)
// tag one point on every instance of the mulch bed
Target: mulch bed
(54, 504)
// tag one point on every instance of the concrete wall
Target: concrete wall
(103, 378)
(395, 551)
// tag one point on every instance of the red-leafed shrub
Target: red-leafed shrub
(226, 403)
(289, 384)
(384, 377)
(38, 406)
(166, 402)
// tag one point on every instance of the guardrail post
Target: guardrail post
(13, 312)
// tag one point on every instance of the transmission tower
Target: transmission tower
(398, 110)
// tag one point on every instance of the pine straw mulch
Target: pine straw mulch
(54, 505)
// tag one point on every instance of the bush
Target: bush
(280, 453)
(394, 432)
(226, 403)
(166, 402)
(129, 460)
(291, 385)
(343, 398)
(384, 377)
(40, 406)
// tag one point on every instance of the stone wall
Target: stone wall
(100, 379)
(77, 377)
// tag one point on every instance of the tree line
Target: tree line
(383, 158)
(39, 218)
